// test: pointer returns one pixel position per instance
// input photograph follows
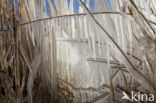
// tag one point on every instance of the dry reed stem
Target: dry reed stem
(70, 15)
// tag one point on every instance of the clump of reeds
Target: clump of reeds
(17, 66)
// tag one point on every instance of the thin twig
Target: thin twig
(152, 22)
(134, 57)
(112, 89)
(70, 15)
(124, 78)
(96, 99)
(103, 60)
(136, 38)
(115, 74)
(75, 40)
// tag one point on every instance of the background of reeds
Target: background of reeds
(76, 51)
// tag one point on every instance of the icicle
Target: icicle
(107, 75)
(67, 61)
(99, 44)
(117, 30)
(69, 28)
(61, 27)
(81, 33)
(89, 35)
(130, 36)
(108, 56)
(94, 44)
(58, 29)
(122, 34)
(33, 33)
(77, 28)
(32, 9)
(85, 28)
(73, 28)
